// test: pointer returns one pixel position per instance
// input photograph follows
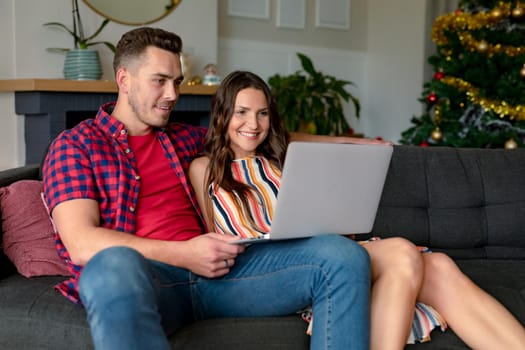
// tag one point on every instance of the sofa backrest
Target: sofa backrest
(469, 203)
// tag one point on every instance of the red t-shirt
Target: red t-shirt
(164, 211)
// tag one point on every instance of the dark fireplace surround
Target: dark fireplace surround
(47, 113)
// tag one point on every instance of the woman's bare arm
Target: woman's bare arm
(197, 173)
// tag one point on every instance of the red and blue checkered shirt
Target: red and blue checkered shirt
(94, 161)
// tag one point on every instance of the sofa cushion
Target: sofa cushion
(28, 235)
(34, 316)
(287, 332)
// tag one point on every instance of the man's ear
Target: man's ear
(122, 79)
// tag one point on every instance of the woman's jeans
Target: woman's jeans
(133, 302)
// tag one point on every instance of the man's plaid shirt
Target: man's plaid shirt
(93, 161)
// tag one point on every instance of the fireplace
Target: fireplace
(50, 106)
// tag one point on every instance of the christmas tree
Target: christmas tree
(476, 97)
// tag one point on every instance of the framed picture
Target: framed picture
(333, 14)
(249, 8)
(291, 14)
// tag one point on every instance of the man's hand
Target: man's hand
(210, 255)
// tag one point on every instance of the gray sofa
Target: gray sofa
(469, 203)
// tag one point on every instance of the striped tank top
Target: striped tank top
(229, 217)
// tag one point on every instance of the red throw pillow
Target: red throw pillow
(28, 234)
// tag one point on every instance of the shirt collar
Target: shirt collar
(107, 123)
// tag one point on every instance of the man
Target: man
(130, 230)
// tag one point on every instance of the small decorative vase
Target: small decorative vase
(82, 65)
(185, 62)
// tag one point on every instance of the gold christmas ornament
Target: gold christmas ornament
(496, 13)
(436, 134)
(196, 80)
(511, 144)
(522, 71)
(483, 46)
(518, 12)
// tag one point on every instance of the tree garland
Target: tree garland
(501, 108)
(465, 22)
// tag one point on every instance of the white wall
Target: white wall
(267, 29)
(10, 145)
(267, 59)
(388, 74)
(388, 71)
(24, 41)
(395, 62)
(31, 38)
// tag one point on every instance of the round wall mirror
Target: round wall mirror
(133, 12)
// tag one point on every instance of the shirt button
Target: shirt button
(122, 131)
(137, 177)
(127, 150)
(132, 209)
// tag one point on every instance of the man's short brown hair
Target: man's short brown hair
(135, 42)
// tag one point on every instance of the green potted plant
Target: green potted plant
(311, 101)
(81, 62)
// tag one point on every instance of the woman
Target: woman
(236, 183)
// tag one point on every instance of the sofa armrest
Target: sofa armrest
(26, 172)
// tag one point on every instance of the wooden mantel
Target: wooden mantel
(100, 86)
(52, 105)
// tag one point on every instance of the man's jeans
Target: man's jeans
(132, 302)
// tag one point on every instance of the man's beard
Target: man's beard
(135, 108)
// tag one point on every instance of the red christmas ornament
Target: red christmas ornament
(432, 98)
(439, 75)
(423, 144)
(459, 12)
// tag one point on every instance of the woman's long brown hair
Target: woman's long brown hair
(217, 146)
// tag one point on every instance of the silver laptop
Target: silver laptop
(328, 188)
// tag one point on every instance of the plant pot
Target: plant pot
(82, 65)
